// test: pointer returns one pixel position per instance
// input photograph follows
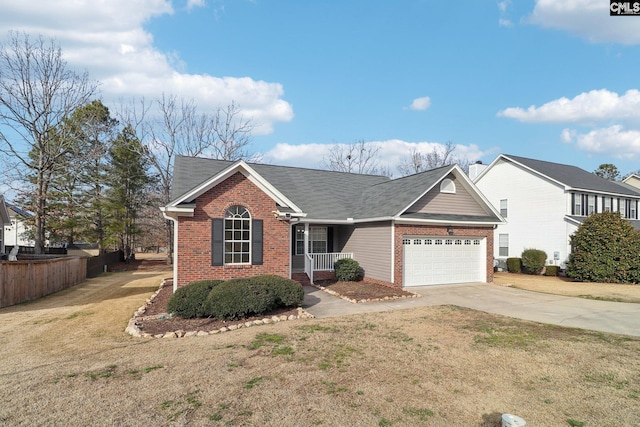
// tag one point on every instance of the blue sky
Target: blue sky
(551, 80)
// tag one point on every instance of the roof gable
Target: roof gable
(4, 213)
(567, 176)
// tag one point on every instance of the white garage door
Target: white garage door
(443, 260)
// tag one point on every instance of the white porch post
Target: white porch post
(306, 238)
(175, 255)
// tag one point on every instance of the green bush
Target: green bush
(551, 270)
(238, 298)
(533, 261)
(606, 248)
(514, 265)
(188, 301)
(347, 269)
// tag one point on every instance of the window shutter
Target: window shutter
(573, 203)
(256, 242)
(595, 204)
(329, 239)
(217, 241)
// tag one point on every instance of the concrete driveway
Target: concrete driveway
(614, 317)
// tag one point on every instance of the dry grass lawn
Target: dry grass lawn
(563, 286)
(67, 361)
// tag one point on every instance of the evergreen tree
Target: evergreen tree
(127, 195)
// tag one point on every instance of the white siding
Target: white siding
(537, 208)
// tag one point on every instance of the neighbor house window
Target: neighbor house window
(577, 204)
(591, 205)
(237, 236)
(633, 204)
(503, 242)
(318, 240)
(606, 204)
(503, 207)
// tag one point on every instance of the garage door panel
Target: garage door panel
(436, 260)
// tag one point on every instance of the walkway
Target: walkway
(614, 317)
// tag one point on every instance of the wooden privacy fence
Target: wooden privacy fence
(25, 280)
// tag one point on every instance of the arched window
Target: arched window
(447, 186)
(237, 236)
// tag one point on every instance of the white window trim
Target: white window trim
(232, 240)
(448, 186)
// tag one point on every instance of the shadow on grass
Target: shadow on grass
(107, 286)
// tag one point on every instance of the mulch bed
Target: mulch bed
(363, 290)
(163, 323)
(155, 319)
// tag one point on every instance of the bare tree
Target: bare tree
(37, 91)
(359, 157)
(440, 156)
(172, 126)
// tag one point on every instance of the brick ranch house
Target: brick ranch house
(238, 219)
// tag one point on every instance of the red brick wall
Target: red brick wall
(194, 233)
(423, 230)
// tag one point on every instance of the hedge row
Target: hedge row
(236, 298)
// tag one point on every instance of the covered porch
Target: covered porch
(314, 249)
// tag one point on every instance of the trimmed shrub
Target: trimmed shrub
(606, 248)
(533, 261)
(188, 301)
(551, 270)
(347, 269)
(238, 298)
(514, 265)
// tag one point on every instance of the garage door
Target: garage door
(440, 260)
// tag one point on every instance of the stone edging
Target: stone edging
(133, 328)
(354, 301)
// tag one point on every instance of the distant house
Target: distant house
(16, 231)
(238, 219)
(543, 203)
(4, 222)
(632, 180)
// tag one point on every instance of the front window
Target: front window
(577, 208)
(503, 245)
(607, 204)
(237, 236)
(318, 240)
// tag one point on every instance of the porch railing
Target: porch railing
(322, 262)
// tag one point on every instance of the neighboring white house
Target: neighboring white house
(632, 180)
(4, 221)
(16, 231)
(544, 203)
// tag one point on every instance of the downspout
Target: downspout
(175, 248)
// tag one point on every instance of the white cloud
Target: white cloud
(108, 39)
(420, 104)
(505, 23)
(391, 153)
(503, 6)
(613, 141)
(588, 107)
(586, 18)
(195, 3)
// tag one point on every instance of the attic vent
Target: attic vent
(447, 186)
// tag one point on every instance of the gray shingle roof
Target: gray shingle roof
(321, 194)
(575, 177)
